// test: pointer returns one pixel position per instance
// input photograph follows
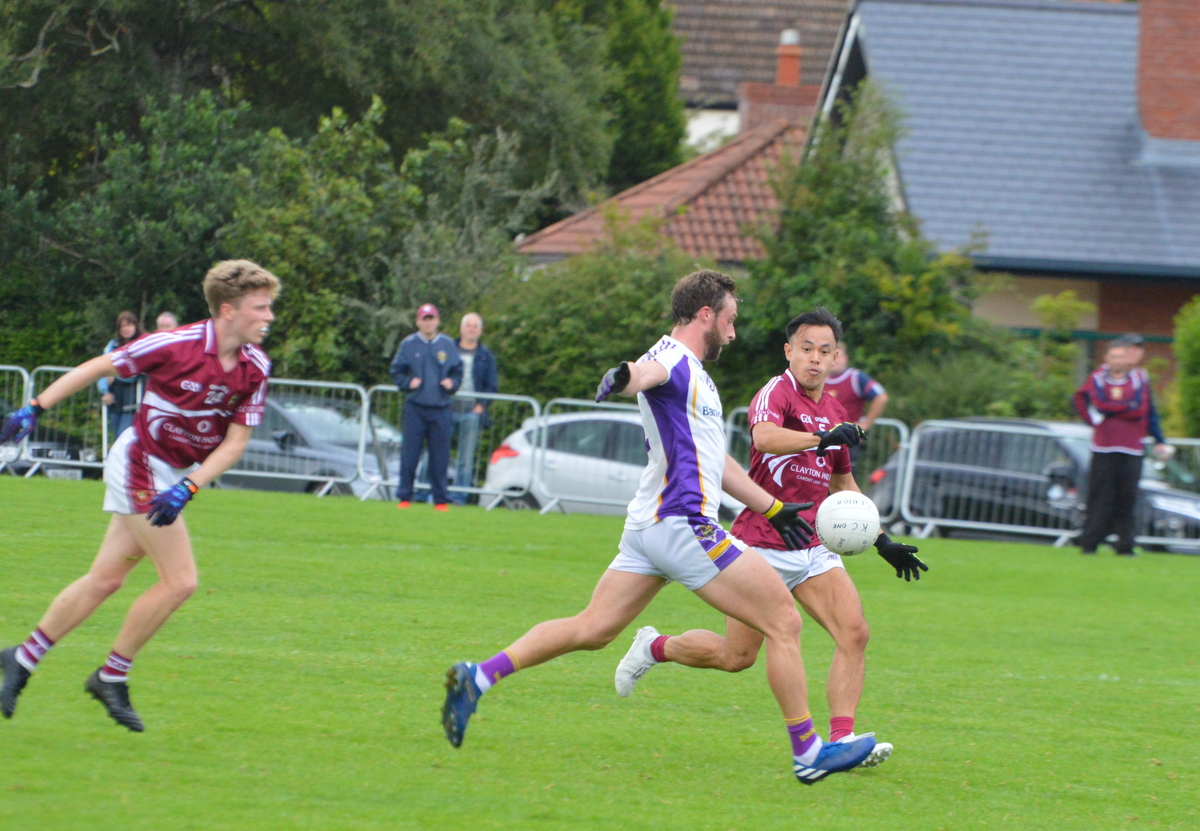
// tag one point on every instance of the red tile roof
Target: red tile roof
(709, 203)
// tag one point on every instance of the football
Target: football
(847, 523)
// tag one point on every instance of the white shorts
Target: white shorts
(132, 476)
(690, 550)
(797, 566)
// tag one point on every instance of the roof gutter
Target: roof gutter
(1086, 268)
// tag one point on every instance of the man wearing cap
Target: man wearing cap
(427, 367)
(1117, 401)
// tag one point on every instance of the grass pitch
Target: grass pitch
(1024, 687)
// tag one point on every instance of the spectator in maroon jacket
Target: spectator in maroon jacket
(1116, 400)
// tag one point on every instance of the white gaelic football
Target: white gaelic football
(847, 523)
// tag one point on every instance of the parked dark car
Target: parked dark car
(305, 441)
(1034, 478)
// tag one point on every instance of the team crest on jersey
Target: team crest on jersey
(233, 400)
(441, 356)
(706, 533)
(1116, 393)
(142, 497)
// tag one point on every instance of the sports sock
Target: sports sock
(116, 668)
(493, 669)
(806, 744)
(33, 650)
(840, 727)
(658, 648)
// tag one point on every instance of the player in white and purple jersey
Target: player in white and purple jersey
(801, 454)
(672, 534)
(206, 389)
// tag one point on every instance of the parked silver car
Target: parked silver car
(598, 455)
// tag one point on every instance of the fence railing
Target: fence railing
(474, 438)
(989, 477)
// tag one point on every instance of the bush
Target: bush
(1187, 356)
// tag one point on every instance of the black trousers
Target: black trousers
(1112, 497)
(425, 425)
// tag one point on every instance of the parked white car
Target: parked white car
(598, 455)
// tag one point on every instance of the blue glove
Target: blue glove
(21, 422)
(615, 380)
(166, 505)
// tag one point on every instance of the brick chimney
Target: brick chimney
(787, 98)
(1169, 68)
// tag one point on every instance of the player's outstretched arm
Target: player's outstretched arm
(630, 378)
(21, 423)
(783, 516)
(769, 437)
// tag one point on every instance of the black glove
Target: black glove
(785, 518)
(901, 557)
(848, 433)
(615, 380)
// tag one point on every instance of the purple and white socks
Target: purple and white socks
(493, 669)
(806, 744)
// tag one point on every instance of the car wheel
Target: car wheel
(525, 502)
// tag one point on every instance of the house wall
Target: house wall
(1008, 302)
(1142, 306)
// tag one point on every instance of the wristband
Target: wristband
(190, 485)
(774, 509)
(882, 540)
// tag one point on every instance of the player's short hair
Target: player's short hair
(699, 289)
(230, 280)
(819, 316)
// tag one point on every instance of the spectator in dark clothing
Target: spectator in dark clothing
(120, 395)
(470, 414)
(1117, 401)
(428, 369)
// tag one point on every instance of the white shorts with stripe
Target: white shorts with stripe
(690, 550)
(132, 476)
(797, 566)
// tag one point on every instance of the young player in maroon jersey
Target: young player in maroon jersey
(801, 442)
(206, 389)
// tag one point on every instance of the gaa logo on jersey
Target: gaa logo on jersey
(192, 386)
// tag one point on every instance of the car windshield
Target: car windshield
(334, 425)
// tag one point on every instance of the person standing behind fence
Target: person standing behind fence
(165, 322)
(470, 414)
(428, 370)
(120, 395)
(862, 397)
(1116, 400)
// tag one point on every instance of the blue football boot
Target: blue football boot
(835, 757)
(462, 696)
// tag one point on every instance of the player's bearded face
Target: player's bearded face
(720, 332)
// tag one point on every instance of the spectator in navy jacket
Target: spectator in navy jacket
(479, 375)
(1117, 401)
(428, 369)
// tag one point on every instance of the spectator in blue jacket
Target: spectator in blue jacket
(121, 395)
(428, 369)
(470, 414)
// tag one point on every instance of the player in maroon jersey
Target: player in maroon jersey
(801, 442)
(206, 389)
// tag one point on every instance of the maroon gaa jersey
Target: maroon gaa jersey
(791, 477)
(190, 399)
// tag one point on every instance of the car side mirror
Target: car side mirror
(285, 439)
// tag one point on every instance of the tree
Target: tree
(1187, 356)
(556, 330)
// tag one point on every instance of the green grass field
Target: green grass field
(1024, 687)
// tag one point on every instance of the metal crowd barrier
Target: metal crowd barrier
(69, 439)
(469, 460)
(14, 393)
(308, 441)
(887, 438)
(585, 458)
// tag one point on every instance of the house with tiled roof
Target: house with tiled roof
(1065, 132)
(726, 44)
(709, 205)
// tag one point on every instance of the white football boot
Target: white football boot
(637, 661)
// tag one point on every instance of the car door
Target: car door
(574, 462)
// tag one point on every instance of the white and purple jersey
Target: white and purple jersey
(685, 437)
